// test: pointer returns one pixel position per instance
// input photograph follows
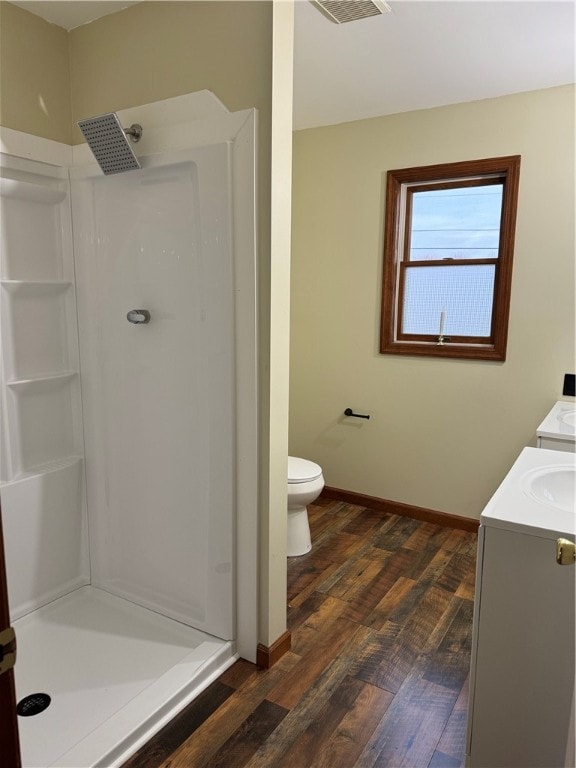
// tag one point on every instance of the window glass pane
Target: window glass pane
(458, 223)
(465, 293)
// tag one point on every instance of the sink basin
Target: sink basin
(552, 486)
(568, 418)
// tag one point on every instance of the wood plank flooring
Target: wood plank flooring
(381, 618)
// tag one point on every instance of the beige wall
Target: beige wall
(442, 433)
(273, 528)
(34, 75)
(156, 50)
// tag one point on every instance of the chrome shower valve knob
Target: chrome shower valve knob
(138, 316)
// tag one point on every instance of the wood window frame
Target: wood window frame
(399, 189)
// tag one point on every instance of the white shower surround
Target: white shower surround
(172, 126)
(158, 398)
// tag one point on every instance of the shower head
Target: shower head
(107, 140)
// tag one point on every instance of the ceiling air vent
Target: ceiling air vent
(342, 11)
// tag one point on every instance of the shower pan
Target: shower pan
(128, 381)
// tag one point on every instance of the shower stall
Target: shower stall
(128, 452)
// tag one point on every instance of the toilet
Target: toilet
(305, 483)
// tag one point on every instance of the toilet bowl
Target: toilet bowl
(305, 483)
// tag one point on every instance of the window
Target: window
(448, 247)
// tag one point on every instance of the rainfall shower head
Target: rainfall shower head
(107, 140)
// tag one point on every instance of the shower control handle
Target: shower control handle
(138, 316)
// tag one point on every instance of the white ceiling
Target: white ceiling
(424, 53)
(72, 13)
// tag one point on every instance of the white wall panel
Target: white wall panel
(159, 397)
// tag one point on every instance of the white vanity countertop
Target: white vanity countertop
(560, 422)
(514, 507)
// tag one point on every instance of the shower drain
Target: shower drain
(33, 704)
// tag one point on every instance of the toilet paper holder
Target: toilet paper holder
(350, 412)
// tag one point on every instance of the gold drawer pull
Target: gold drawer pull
(565, 552)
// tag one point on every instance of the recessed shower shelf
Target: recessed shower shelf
(46, 467)
(32, 191)
(36, 287)
(37, 383)
(42, 417)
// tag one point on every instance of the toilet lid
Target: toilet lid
(302, 470)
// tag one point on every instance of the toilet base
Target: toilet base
(299, 541)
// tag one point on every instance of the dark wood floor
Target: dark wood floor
(381, 618)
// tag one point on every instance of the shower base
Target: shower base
(115, 672)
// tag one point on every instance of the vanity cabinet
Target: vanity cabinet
(558, 430)
(524, 654)
(521, 709)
